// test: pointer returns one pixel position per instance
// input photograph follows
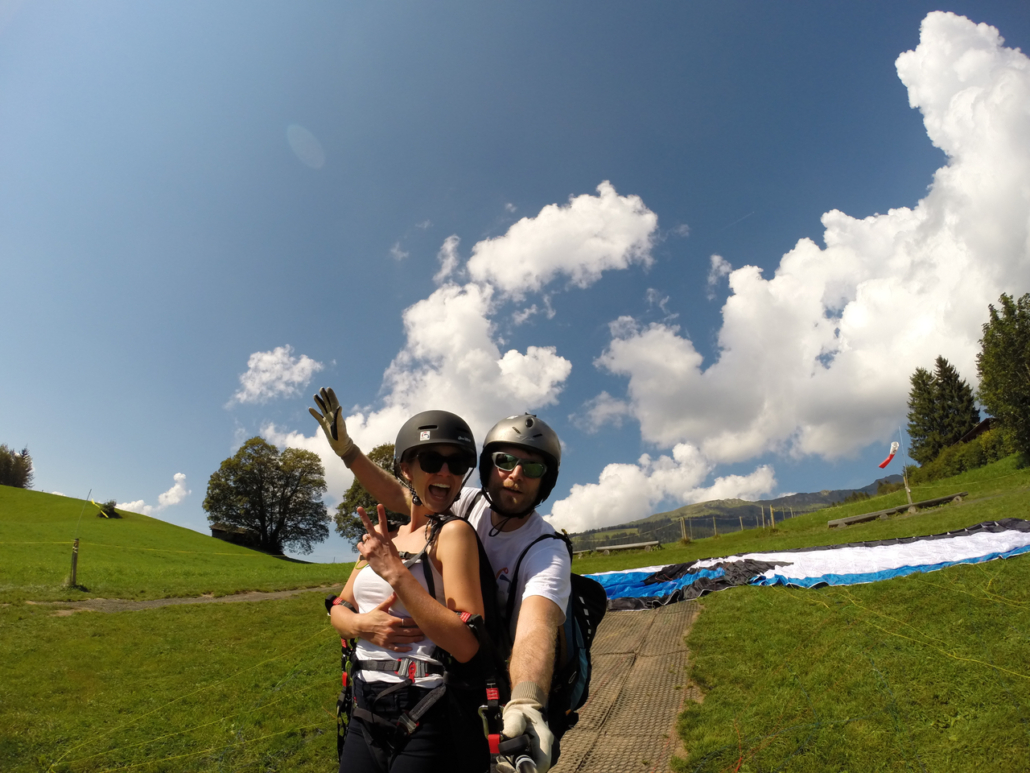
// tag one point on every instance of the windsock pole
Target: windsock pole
(904, 474)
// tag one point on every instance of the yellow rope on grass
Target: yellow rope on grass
(196, 727)
(927, 639)
(213, 748)
(124, 725)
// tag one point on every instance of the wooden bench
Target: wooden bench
(885, 514)
(606, 550)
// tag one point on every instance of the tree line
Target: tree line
(942, 407)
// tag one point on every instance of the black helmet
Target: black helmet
(533, 434)
(430, 428)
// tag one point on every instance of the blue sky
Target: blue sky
(494, 208)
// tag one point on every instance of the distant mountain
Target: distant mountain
(728, 514)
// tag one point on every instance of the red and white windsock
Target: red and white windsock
(894, 450)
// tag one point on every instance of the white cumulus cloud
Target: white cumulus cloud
(169, 498)
(448, 257)
(453, 357)
(720, 268)
(451, 361)
(275, 374)
(816, 358)
(580, 240)
(626, 492)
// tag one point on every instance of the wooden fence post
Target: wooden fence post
(75, 561)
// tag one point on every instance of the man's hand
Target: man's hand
(523, 714)
(330, 418)
(393, 633)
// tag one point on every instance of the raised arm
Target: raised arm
(384, 487)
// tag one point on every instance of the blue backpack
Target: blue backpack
(570, 683)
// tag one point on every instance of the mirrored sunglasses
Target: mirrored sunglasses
(507, 462)
(433, 461)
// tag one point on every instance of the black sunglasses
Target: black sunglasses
(507, 462)
(433, 461)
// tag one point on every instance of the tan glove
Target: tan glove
(330, 418)
(523, 714)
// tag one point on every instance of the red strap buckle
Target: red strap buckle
(343, 678)
(492, 694)
(494, 740)
(412, 671)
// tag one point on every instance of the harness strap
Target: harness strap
(407, 667)
(407, 722)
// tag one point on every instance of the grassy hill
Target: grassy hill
(132, 557)
(921, 673)
(704, 519)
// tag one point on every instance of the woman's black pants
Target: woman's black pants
(449, 736)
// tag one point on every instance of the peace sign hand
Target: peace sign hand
(378, 549)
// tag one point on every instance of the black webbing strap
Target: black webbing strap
(407, 722)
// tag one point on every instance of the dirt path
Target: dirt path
(637, 690)
(127, 605)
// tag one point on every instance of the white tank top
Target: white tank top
(371, 590)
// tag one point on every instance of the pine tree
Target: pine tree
(941, 410)
(956, 404)
(1004, 367)
(922, 417)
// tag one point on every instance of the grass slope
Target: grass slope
(227, 687)
(133, 557)
(924, 673)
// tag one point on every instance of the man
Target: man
(518, 469)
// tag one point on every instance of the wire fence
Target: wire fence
(675, 529)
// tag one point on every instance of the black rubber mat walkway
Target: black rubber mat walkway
(637, 690)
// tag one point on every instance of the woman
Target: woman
(403, 719)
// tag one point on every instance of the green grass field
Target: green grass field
(926, 673)
(133, 557)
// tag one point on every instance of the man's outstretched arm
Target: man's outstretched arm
(531, 668)
(382, 485)
(532, 653)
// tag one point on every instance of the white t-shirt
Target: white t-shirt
(545, 570)
(371, 590)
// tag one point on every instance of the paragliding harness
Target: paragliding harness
(487, 668)
(347, 659)
(570, 683)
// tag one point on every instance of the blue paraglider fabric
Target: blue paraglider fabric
(847, 564)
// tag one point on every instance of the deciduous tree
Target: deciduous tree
(276, 496)
(1004, 367)
(15, 468)
(348, 525)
